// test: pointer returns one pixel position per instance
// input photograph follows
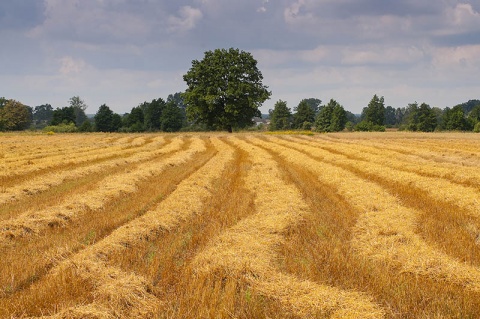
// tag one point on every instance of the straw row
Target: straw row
(66, 156)
(248, 251)
(48, 180)
(457, 173)
(115, 289)
(385, 230)
(108, 189)
(439, 189)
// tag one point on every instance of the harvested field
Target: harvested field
(346, 225)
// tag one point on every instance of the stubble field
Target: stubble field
(344, 225)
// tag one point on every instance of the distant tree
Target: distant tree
(304, 114)
(374, 113)
(86, 127)
(116, 122)
(331, 118)
(427, 120)
(152, 114)
(339, 118)
(104, 119)
(352, 118)
(172, 117)
(63, 115)
(280, 116)
(79, 107)
(454, 119)
(177, 98)
(420, 118)
(474, 116)
(390, 118)
(135, 121)
(14, 116)
(373, 116)
(469, 106)
(225, 89)
(42, 114)
(314, 104)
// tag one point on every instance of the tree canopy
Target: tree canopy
(331, 118)
(304, 114)
(225, 89)
(14, 116)
(280, 116)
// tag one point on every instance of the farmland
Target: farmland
(346, 225)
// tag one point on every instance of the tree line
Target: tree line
(224, 92)
(332, 117)
(157, 115)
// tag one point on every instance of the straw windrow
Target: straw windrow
(384, 231)
(121, 295)
(111, 187)
(248, 252)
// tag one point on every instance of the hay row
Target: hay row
(384, 231)
(455, 172)
(446, 153)
(115, 289)
(20, 147)
(44, 182)
(439, 189)
(108, 189)
(248, 251)
(70, 156)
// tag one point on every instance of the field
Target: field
(346, 225)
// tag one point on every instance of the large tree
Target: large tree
(225, 89)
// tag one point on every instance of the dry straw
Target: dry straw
(121, 295)
(51, 179)
(385, 230)
(248, 251)
(108, 189)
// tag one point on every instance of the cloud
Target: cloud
(187, 19)
(69, 65)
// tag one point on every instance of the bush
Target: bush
(307, 126)
(61, 128)
(365, 126)
(476, 129)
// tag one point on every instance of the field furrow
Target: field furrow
(250, 225)
(64, 161)
(58, 243)
(108, 189)
(459, 204)
(246, 254)
(49, 179)
(457, 173)
(117, 293)
(385, 230)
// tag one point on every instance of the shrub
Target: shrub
(476, 129)
(61, 128)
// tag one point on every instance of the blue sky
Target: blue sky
(122, 52)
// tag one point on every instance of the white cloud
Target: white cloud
(186, 20)
(69, 65)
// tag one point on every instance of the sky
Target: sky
(124, 52)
